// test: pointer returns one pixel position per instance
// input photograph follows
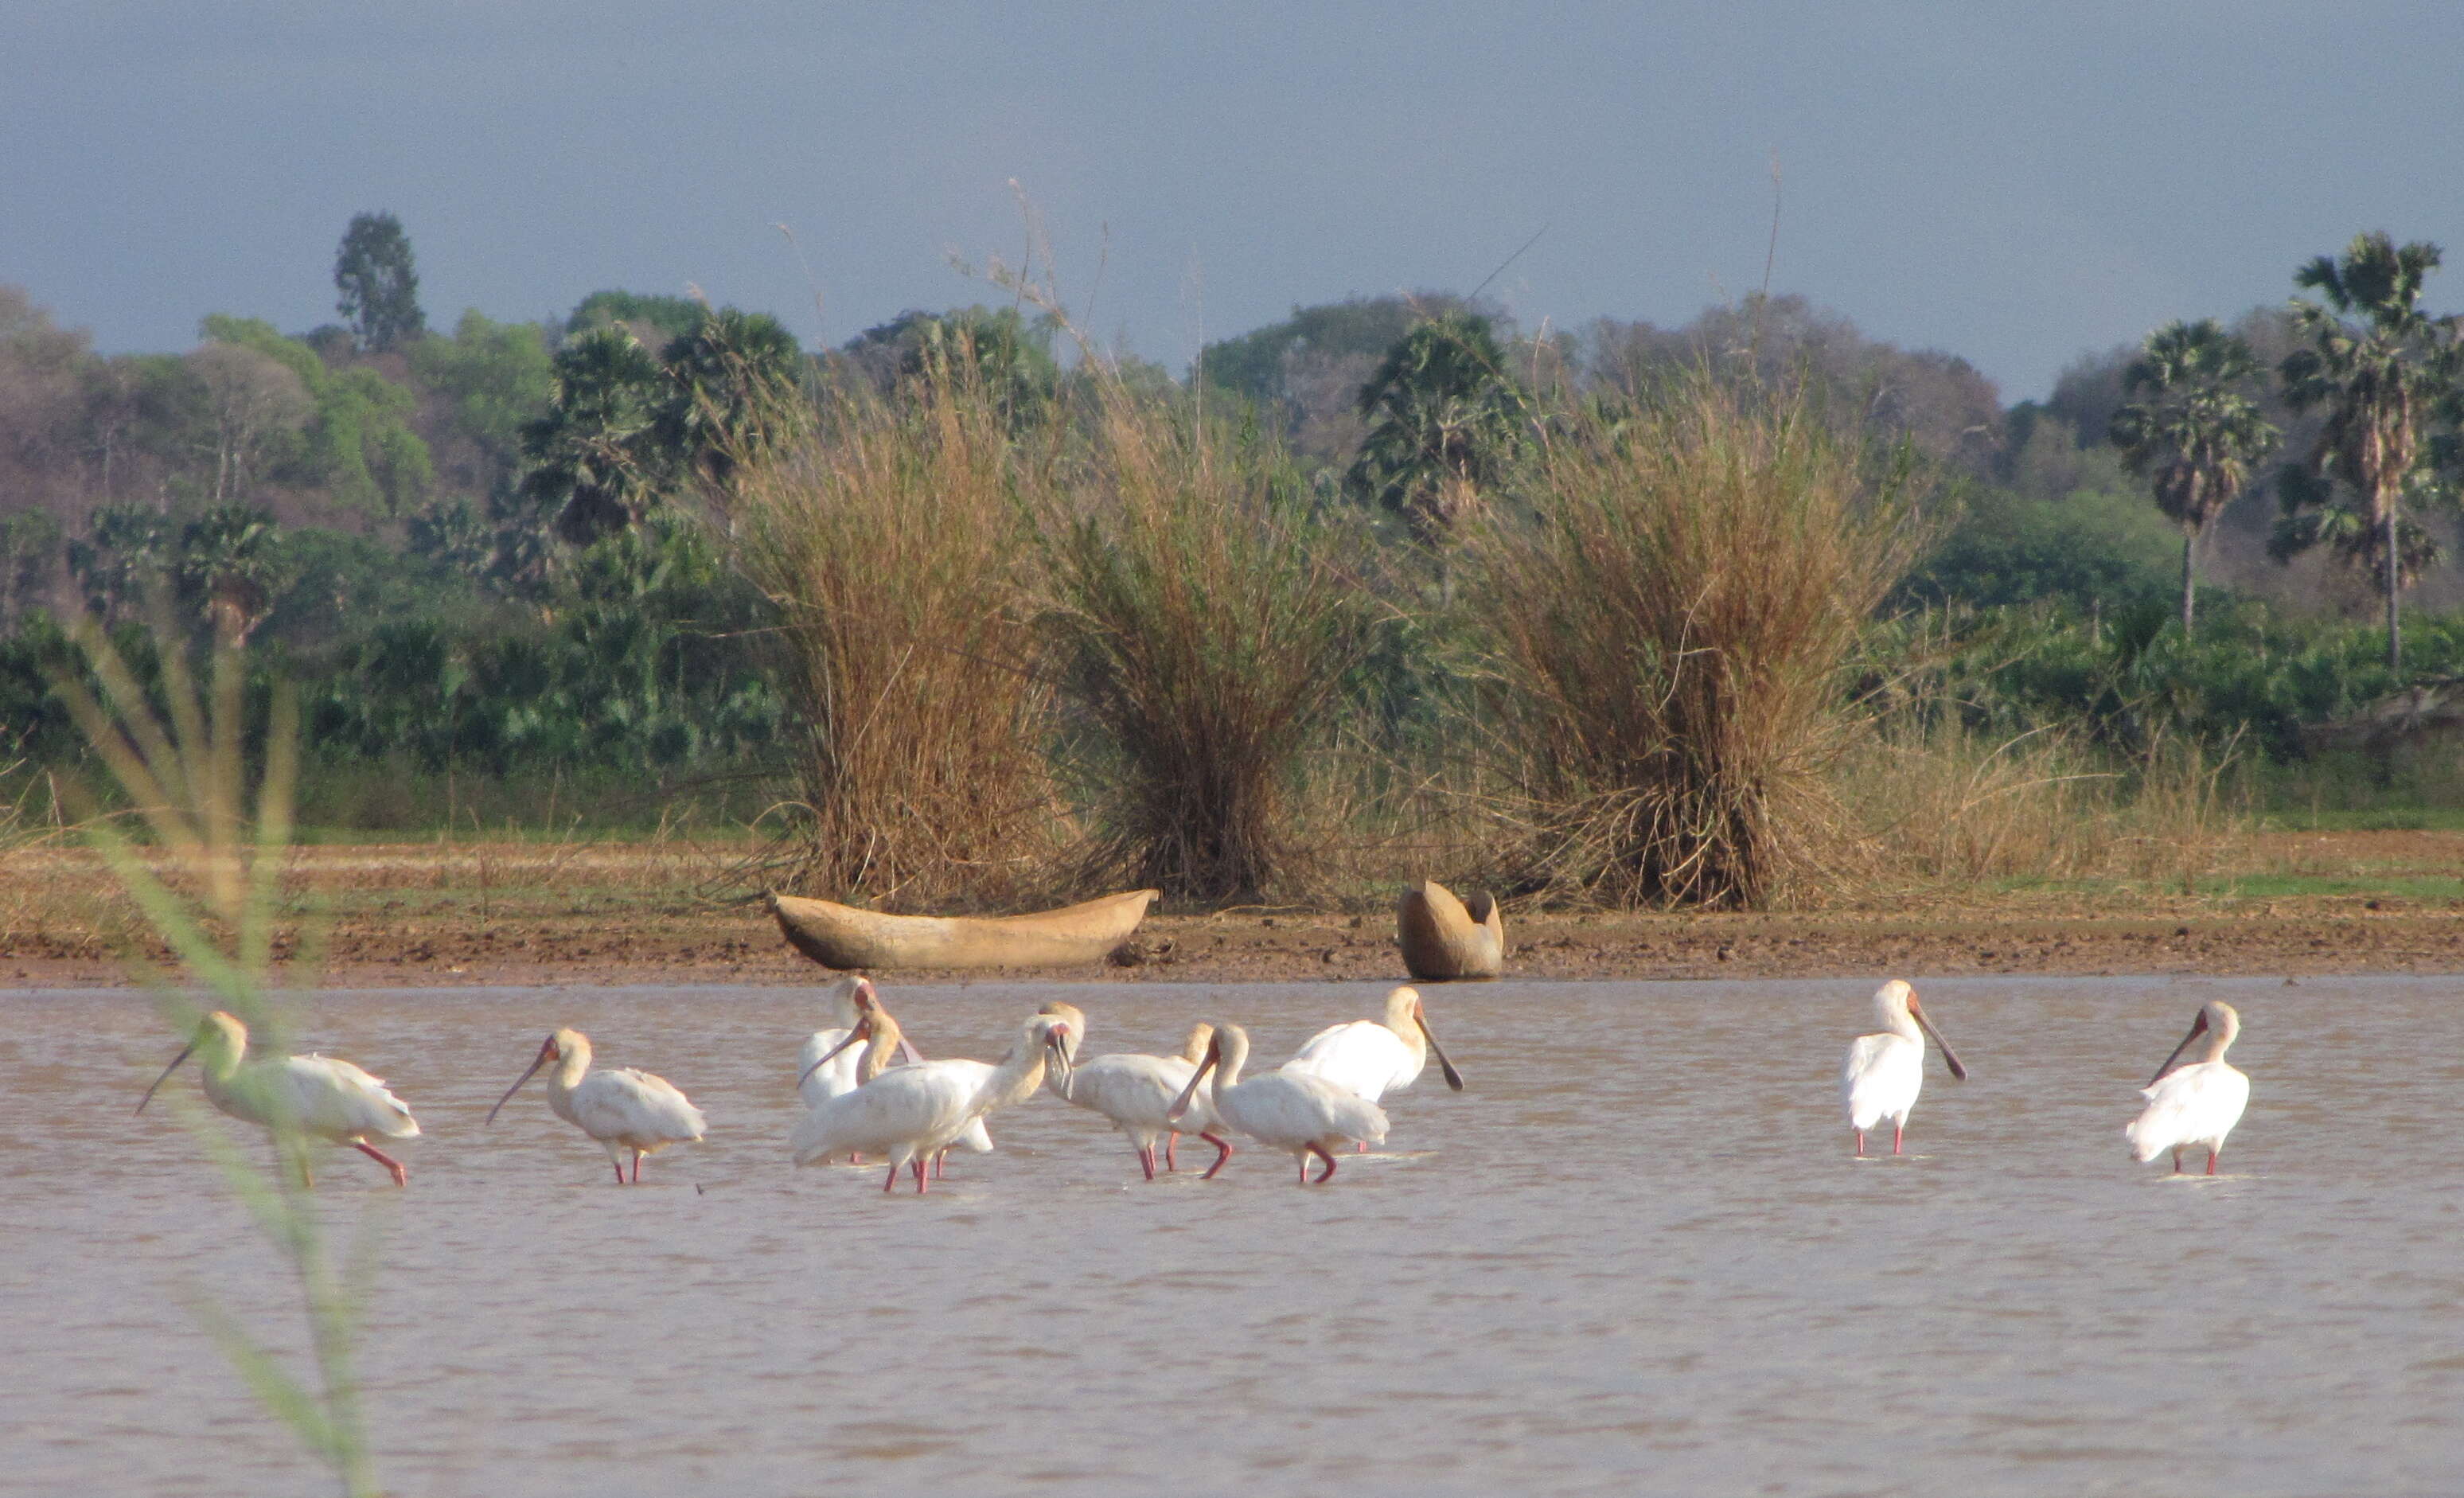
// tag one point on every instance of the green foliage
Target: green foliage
(595, 466)
(30, 547)
(2378, 366)
(671, 317)
(495, 378)
(727, 379)
(379, 290)
(2133, 678)
(360, 445)
(1001, 353)
(2192, 427)
(625, 431)
(642, 663)
(1444, 418)
(1258, 363)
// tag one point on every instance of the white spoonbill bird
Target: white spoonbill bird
(1291, 1110)
(975, 1139)
(912, 1113)
(317, 1096)
(622, 1109)
(1884, 1070)
(1374, 1057)
(2198, 1104)
(1136, 1093)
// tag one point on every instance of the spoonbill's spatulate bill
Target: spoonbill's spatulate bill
(1136, 1093)
(622, 1109)
(1291, 1110)
(1885, 1070)
(2196, 1104)
(316, 1097)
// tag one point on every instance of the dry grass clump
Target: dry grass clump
(1941, 803)
(889, 537)
(1668, 628)
(1207, 630)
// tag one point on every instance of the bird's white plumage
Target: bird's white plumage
(319, 1097)
(844, 997)
(626, 1109)
(1136, 1093)
(911, 1112)
(1883, 1072)
(1295, 1111)
(1368, 1058)
(1880, 1079)
(623, 1106)
(2197, 1105)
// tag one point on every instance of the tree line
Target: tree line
(482, 544)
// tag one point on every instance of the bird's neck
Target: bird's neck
(570, 1069)
(1230, 1058)
(877, 1053)
(1019, 1073)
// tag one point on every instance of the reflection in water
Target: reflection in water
(1635, 1257)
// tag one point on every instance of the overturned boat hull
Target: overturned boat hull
(843, 936)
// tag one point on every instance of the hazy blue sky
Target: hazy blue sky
(2016, 184)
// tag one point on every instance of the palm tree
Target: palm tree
(2377, 365)
(596, 467)
(1443, 421)
(2192, 429)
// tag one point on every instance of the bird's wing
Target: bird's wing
(625, 1101)
(1363, 1056)
(1129, 1088)
(2196, 1102)
(1304, 1107)
(1324, 1044)
(327, 1095)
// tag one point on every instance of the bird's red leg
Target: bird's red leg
(1169, 1163)
(890, 1182)
(637, 1167)
(2211, 1160)
(919, 1177)
(620, 1169)
(1897, 1129)
(401, 1177)
(1359, 1146)
(1860, 1144)
(1146, 1160)
(856, 1156)
(1321, 1155)
(2177, 1162)
(1222, 1152)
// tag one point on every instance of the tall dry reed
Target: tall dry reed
(212, 895)
(889, 537)
(1207, 630)
(1667, 625)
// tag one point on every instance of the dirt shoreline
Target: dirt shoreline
(741, 947)
(512, 914)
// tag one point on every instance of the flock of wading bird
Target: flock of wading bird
(865, 1090)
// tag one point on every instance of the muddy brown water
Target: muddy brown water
(1635, 1257)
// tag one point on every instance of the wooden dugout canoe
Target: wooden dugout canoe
(843, 936)
(1444, 940)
